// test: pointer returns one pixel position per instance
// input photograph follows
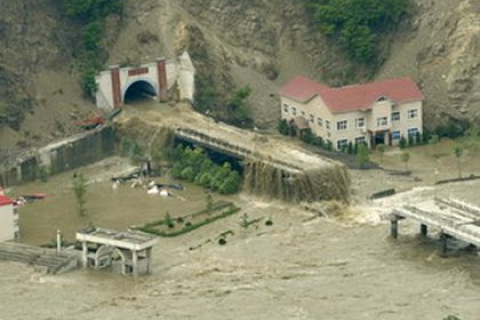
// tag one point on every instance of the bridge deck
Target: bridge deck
(453, 217)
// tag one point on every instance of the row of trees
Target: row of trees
(195, 166)
(90, 14)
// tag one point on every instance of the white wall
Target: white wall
(104, 94)
(315, 107)
(7, 228)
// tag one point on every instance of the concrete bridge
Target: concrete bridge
(234, 150)
(155, 79)
(454, 218)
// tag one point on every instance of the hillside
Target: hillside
(236, 43)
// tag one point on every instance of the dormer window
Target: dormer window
(382, 99)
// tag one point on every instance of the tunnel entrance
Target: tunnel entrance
(139, 91)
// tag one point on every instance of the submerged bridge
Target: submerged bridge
(454, 218)
(235, 150)
(274, 167)
(50, 260)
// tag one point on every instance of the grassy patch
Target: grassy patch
(190, 222)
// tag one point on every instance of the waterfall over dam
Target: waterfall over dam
(274, 167)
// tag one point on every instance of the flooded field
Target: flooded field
(115, 209)
(299, 268)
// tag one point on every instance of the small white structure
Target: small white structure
(99, 246)
(8, 219)
(157, 78)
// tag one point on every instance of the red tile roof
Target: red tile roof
(5, 201)
(352, 98)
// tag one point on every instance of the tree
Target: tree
(381, 149)
(458, 152)
(356, 25)
(237, 106)
(231, 184)
(80, 191)
(350, 148)
(209, 202)
(403, 143)
(283, 127)
(405, 157)
(363, 155)
(451, 318)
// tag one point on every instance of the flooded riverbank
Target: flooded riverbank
(298, 268)
(115, 209)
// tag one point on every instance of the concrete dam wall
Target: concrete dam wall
(76, 151)
(273, 167)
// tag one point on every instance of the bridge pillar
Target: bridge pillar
(443, 244)
(116, 86)
(84, 254)
(162, 79)
(394, 228)
(135, 263)
(423, 230)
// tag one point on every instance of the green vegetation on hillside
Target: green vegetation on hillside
(91, 15)
(232, 109)
(357, 24)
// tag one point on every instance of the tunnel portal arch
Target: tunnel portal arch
(139, 88)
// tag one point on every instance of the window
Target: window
(395, 116)
(412, 132)
(303, 113)
(382, 122)
(412, 114)
(285, 108)
(341, 144)
(312, 118)
(327, 124)
(320, 122)
(294, 111)
(359, 140)
(396, 135)
(360, 123)
(342, 125)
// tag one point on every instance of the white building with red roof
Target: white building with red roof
(374, 113)
(8, 219)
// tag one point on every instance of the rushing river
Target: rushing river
(297, 269)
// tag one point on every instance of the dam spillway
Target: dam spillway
(274, 167)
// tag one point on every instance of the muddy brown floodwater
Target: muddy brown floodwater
(298, 268)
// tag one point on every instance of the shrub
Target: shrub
(403, 143)
(307, 136)
(206, 95)
(418, 138)
(363, 155)
(283, 127)
(411, 141)
(350, 148)
(434, 139)
(237, 107)
(231, 184)
(195, 166)
(453, 128)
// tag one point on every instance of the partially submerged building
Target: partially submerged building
(102, 248)
(374, 113)
(9, 229)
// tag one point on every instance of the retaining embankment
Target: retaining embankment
(76, 151)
